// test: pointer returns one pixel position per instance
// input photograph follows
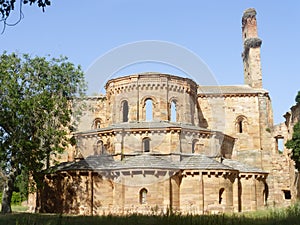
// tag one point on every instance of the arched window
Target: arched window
(173, 111)
(125, 110)
(99, 148)
(149, 109)
(146, 145)
(266, 193)
(143, 196)
(241, 123)
(97, 123)
(194, 145)
(221, 193)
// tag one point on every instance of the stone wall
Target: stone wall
(285, 129)
(161, 89)
(136, 191)
(174, 117)
(241, 110)
(163, 140)
(285, 176)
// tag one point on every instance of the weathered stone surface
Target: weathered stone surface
(200, 149)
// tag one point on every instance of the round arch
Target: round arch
(124, 110)
(241, 124)
(143, 196)
(96, 123)
(173, 109)
(148, 111)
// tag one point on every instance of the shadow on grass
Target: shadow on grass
(274, 217)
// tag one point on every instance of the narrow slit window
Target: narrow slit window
(194, 146)
(173, 112)
(240, 126)
(221, 193)
(125, 110)
(146, 145)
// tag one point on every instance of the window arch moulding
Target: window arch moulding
(241, 124)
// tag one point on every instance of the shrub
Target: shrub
(17, 198)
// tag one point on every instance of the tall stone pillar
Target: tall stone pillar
(251, 54)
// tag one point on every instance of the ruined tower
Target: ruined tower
(253, 75)
(251, 54)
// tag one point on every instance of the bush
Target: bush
(16, 198)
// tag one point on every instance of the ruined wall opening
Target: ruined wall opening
(279, 143)
(143, 196)
(287, 194)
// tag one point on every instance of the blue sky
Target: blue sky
(86, 30)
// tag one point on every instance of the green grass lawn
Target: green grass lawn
(19, 208)
(289, 216)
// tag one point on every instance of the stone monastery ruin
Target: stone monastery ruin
(156, 143)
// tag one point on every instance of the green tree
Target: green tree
(297, 99)
(7, 6)
(35, 113)
(294, 144)
(21, 184)
(2, 179)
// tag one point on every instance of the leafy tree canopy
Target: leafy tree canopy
(297, 99)
(35, 113)
(294, 144)
(7, 6)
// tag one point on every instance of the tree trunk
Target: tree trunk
(7, 192)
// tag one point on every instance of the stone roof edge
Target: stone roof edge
(254, 172)
(213, 95)
(210, 170)
(106, 130)
(259, 171)
(221, 92)
(225, 167)
(172, 168)
(148, 74)
(145, 168)
(148, 168)
(114, 128)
